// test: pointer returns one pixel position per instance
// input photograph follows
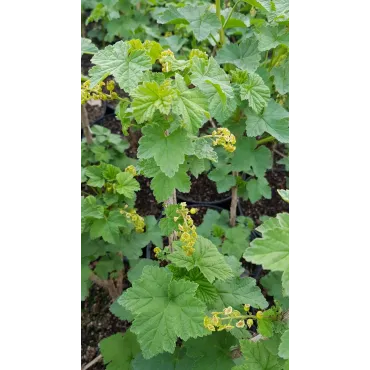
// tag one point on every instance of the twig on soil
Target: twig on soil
(93, 362)
(280, 153)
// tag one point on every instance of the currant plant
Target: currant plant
(192, 306)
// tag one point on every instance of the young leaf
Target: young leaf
(87, 47)
(245, 55)
(212, 80)
(256, 92)
(222, 177)
(120, 312)
(272, 120)
(136, 271)
(210, 261)
(247, 156)
(163, 186)
(212, 352)
(118, 350)
(201, 21)
(238, 291)
(258, 356)
(269, 37)
(281, 78)
(191, 104)
(149, 97)
(258, 188)
(91, 209)
(236, 241)
(284, 345)
(127, 68)
(164, 309)
(95, 175)
(204, 150)
(127, 185)
(108, 228)
(272, 250)
(168, 224)
(168, 151)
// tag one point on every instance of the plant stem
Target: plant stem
(171, 200)
(86, 125)
(265, 140)
(234, 202)
(230, 14)
(218, 13)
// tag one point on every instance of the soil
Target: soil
(95, 112)
(97, 323)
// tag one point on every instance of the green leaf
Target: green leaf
(258, 357)
(222, 177)
(213, 81)
(149, 97)
(237, 240)
(91, 209)
(164, 309)
(201, 21)
(265, 327)
(127, 68)
(206, 292)
(191, 104)
(210, 261)
(269, 37)
(171, 15)
(119, 350)
(212, 352)
(204, 150)
(196, 166)
(247, 156)
(173, 42)
(260, 4)
(284, 345)
(245, 55)
(135, 272)
(95, 175)
(152, 231)
(108, 228)
(258, 188)
(163, 186)
(119, 311)
(272, 120)
(110, 172)
(236, 20)
(256, 92)
(85, 281)
(168, 151)
(127, 185)
(168, 224)
(281, 78)
(280, 12)
(87, 47)
(235, 265)
(238, 291)
(273, 284)
(284, 194)
(108, 264)
(272, 250)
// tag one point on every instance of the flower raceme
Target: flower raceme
(225, 138)
(187, 229)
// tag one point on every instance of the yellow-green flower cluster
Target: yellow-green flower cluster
(222, 136)
(136, 219)
(198, 53)
(186, 229)
(224, 320)
(96, 93)
(131, 169)
(166, 59)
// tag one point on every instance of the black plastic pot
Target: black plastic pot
(204, 204)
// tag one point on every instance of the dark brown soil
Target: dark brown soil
(97, 323)
(268, 207)
(146, 204)
(95, 112)
(202, 190)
